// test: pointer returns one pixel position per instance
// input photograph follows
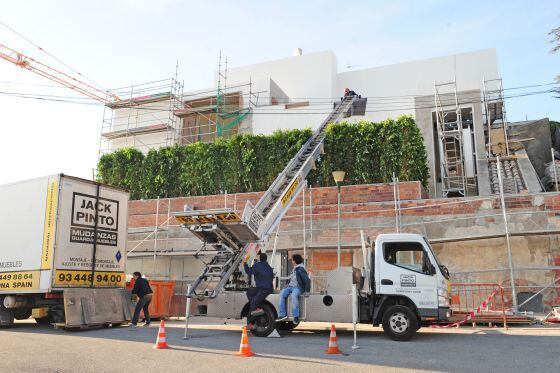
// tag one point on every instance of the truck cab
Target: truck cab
(409, 287)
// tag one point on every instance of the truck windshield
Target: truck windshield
(441, 267)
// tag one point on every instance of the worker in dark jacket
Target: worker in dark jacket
(298, 284)
(144, 292)
(263, 274)
(349, 93)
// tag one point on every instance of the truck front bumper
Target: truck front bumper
(444, 313)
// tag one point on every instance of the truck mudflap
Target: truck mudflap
(91, 307)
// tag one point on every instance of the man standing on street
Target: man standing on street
(263, 274)
(299, 284)
(144, 292)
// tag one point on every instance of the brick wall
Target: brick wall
(371, 208)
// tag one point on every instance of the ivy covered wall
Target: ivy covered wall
(368, 152)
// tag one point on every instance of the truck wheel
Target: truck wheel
(22, 313)
(399, 323)
(6, 316)
(264, 324)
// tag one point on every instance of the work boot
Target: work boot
(257, 312)
(283, 318)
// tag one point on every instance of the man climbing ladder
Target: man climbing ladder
(263, 274)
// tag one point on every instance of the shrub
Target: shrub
(369, 153)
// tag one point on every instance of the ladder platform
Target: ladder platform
(208, 225)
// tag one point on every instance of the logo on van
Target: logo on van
(408, 281)
(91, 214)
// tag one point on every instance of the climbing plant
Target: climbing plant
(369, 152)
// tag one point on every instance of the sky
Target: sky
(122, 42)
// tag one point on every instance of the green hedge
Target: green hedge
(368, 152)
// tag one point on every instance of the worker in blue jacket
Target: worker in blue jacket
(263, 274)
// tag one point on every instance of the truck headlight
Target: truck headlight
(443, 298)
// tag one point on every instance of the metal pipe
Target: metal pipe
(311, 215)
(303, 224)
(155, 239)
(395, 200)
(554, 168)
(274, 246)
(355, 314)
(338, 228)
(398, 206)
(187, 313)
(508, 243)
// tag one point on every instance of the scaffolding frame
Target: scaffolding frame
(148, 109)
(306, 211)
(450, 136)
(494, 103)
(219, 105)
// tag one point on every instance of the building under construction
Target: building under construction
(501, 230)
(457, 101)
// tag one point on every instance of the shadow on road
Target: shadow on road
(485, 349)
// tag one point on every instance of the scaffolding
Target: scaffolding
(156, 114)
(495, 118)
(311, 227)
(450, 134)
(144, 117)
(207, 117)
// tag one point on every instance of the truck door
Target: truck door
(404, 269)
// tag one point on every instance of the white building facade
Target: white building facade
(299, 91)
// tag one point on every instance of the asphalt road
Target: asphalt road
(30, 348)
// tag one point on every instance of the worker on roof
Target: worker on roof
(349, 93)
(263, 274)
(298, 284)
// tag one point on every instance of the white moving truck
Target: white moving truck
(63, 252)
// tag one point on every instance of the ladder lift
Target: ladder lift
(228, 238)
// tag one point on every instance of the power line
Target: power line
(379, 107)
(49, 54)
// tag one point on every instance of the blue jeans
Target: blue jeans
(284, 294)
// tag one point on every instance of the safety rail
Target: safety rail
(484, 301)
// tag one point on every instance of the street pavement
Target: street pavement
(28, 347)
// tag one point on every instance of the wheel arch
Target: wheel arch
(392, 300)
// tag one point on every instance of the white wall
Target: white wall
(390, 89)
(308, 75)
(417, 77)
(267, 119)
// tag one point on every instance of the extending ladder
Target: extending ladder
(228, 238)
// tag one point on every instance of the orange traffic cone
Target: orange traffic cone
(244, 348)
(333, 343)
(161, 343)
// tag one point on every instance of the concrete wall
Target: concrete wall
(308, 75)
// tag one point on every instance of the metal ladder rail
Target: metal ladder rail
(277, 189)
(282, 181)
